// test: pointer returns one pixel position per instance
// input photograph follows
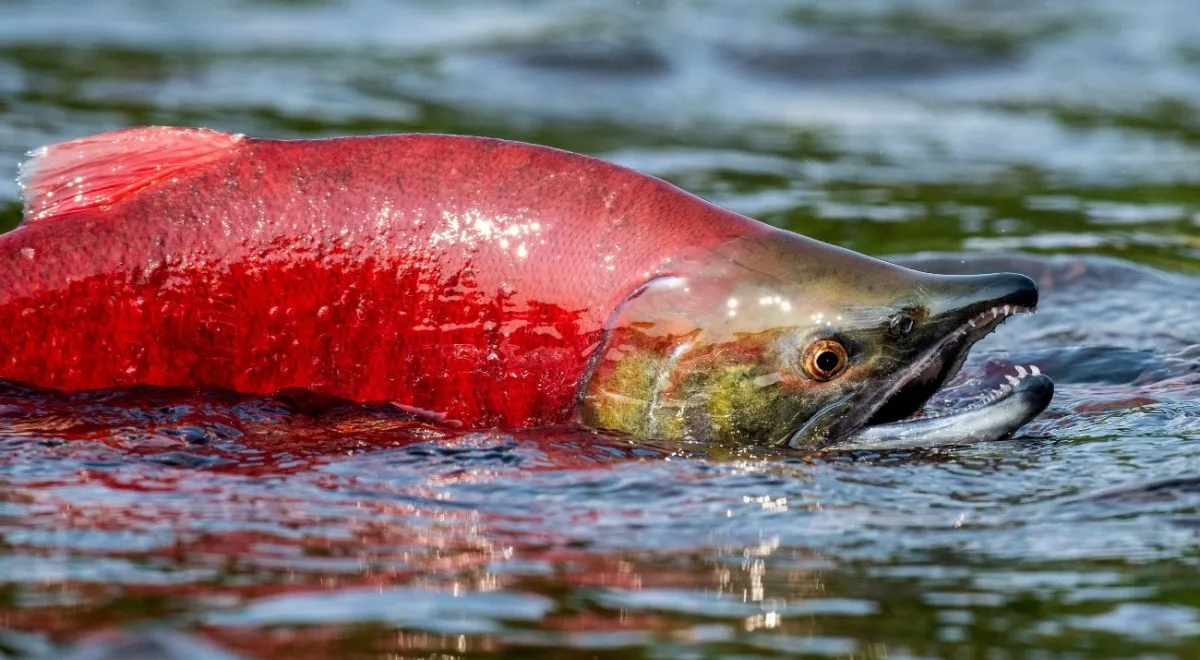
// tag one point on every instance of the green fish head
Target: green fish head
(777, 339)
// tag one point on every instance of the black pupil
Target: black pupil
(828, 361)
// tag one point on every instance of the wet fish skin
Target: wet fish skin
(462, 275)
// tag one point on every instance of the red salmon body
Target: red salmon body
(465, 276)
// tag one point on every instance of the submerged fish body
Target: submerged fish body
(484, 282)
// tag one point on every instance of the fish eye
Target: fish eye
(900, 325)
(825, 359)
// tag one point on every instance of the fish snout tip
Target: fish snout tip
(1016, 290)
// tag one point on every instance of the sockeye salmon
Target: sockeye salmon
(480, 282)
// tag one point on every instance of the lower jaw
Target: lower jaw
(998, 417)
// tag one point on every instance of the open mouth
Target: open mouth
(896, 417)
(917, 384)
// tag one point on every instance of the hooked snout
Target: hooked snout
(970, 295)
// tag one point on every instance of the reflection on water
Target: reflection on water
(276, 527)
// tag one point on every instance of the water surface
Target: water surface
(1057, 139)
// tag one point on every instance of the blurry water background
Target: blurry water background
(1056, 137)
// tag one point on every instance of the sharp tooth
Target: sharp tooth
(1012, 380)
(1021, 373)
(1033, 368)
(995, 312)
(1005, 389)
(1007, 310)
(971, 322)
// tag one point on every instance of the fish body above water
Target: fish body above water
(463, 275)
(479, 282)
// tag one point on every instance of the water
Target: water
(1058, 139)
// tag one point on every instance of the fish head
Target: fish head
(782, 340)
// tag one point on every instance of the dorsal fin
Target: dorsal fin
(94, 172)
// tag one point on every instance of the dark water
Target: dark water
(1061, 139)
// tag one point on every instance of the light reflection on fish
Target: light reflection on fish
(482, 283)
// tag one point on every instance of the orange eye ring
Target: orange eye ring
(825, 359)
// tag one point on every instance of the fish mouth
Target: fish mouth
(894, 416)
